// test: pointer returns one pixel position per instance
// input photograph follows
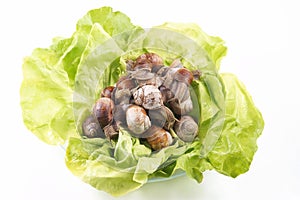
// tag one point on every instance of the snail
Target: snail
(111, 131)
(107, 92)
(181, 108)
(125, 83)
(148, 96)
(103, 111)
(156, 68)
(146, 101)
(184, 75)
(162, 117)
(122, 93)
(91, 128)
(147, 61)
(175, 88)
(137, 120)
(159, 138)
(129, 65)
(119, 114)
(186, 128)
(143, 77)
(166, 94)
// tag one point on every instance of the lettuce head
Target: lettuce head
(62, 82)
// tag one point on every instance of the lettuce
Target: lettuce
(62, 82)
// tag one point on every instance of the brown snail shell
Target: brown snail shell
(122, 96)
(144, 77)
(181, 108)
(111, 131)
(122, 93)
(129, 65)
(107, 92)
(184, 75)
(142, 74)
(162, 71)
(137, 120)
(148, 96)
(103, 111)
(91, 128)
(162, 117)
(186, 128)
(159, 138)
(125, 83)
(180, 90)
(147, 61)
(166, 94)
(119, 113)
(156, 68)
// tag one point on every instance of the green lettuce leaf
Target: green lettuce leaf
(49, 74)
(234, 151)
(46, 97)
(120, 167)
(214, 46)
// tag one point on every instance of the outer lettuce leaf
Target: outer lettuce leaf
(49, 75)
(46, 97)
(117, 168)
(234, 151)
(214, 46)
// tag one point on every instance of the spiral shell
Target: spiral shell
(107, 92)
(91, 128)
(186, 129)
(111, 131)
(159, 138)
(103, 111)
(148, 96)
(120, 113)
(147, 61)
(162, 117)
(137, 120)
(184, 75)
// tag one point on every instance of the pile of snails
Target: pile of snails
(152, 101)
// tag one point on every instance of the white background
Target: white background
(263, 50)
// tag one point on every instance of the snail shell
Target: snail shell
(103, 111)
(184, 75)
(162, 117)
(111, 131)
(142, 74)
(137, 120)
(159, 138)
(122, 96)
(166, 94)
(180, 90)
(122, 92)
(181, 108)
(125, 83)
(148, 96)
(186, 129)
(119, 113)
(129, 65)
(107, 92)
(147, 61)
(162, 71)
(143, 77)
(91, 128)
